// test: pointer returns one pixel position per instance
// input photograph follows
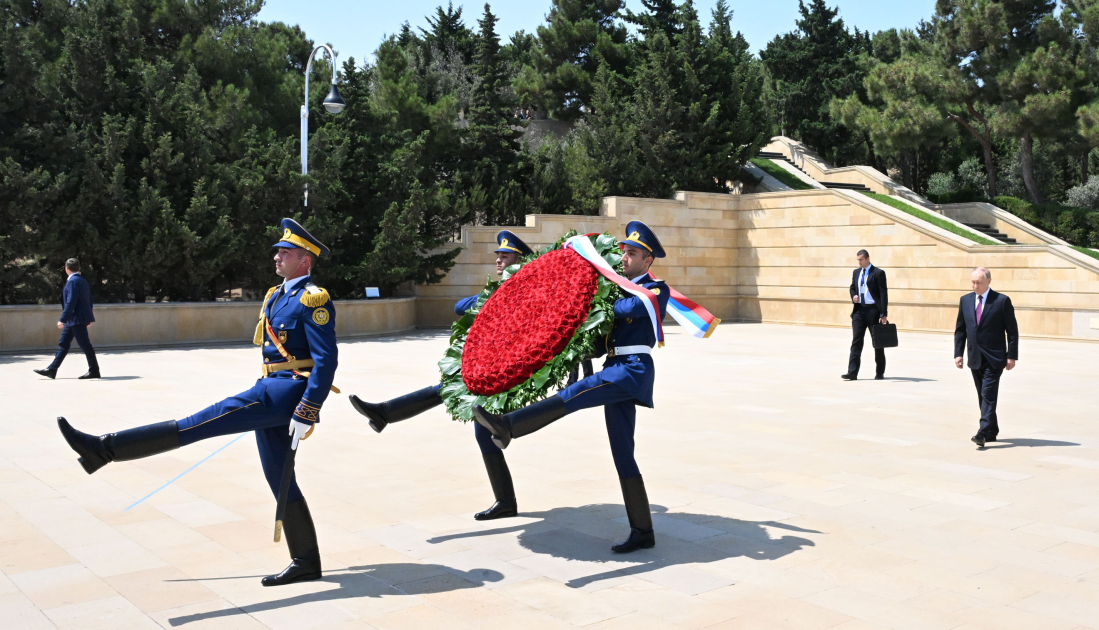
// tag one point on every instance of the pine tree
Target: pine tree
(577, 37)
(492, 174)
(810, 67)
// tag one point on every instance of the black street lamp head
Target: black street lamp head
(334, 102)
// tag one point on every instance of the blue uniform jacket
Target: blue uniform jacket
(306, 332)
(76, 299)
(465, 304)
(635, 373)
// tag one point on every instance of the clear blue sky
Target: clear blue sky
(356, 27)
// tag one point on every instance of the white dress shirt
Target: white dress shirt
(864, 293)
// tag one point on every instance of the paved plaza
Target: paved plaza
(783, 497)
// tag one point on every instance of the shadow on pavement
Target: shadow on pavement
(365, 581)
(681, 538)
(1028, 442)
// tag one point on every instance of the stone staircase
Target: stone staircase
(990, 232)
(768, 155)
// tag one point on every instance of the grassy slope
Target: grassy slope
(932, 219)
(1085, 250)
(781, 174)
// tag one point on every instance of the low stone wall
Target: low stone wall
(34, 328)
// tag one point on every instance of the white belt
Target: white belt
(622, 351)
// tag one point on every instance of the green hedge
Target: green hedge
(781, 174)
(1078, 226)
(965, 195)
(932, 219)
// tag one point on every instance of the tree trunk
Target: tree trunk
(1084, 166)
(906, 170)
(1026, 158)
(990, 169)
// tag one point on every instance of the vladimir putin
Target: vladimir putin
(986, 324)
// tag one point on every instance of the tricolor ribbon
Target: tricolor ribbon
(697, 320)
(582, 245)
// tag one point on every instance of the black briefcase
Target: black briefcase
(884, 335)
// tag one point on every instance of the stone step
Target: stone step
(846, 186)
(990, 232)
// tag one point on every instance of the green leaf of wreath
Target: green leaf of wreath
(590, 336)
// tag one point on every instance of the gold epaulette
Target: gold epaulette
(314, 296)
(258, 337)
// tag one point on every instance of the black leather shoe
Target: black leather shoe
(499, 475)
(521, 421)
(496, 425)
(90, 374)
(375, 414)
(639, 539)
(47, 373)
(299, 570)
(91, 449)
(979, 440)
(848, 377)
(879, 377)
(402, 408)
(500, 509)
(990, 439)
(301, 540)
(97, 451)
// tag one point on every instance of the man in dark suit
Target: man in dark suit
(75, 319)
(870, 295)
(986, 324)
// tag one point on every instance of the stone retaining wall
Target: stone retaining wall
(30, 328)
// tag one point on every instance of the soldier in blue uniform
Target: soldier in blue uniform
(625, 381)
(297, 330)
(509, 249)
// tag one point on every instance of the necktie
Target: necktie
(980, 307)
(862, 285)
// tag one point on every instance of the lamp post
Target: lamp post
(333, 103)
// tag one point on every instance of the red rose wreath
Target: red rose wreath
(529, 331)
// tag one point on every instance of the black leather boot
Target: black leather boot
(403, 408)
(504, 428)
(97, 451)
(301, 540)
(639, 514)
(500, 478)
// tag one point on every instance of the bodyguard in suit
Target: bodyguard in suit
(508, 251)
(625, 381)
(297, 331)
(870, 295)
(76, 316)
(986, 325)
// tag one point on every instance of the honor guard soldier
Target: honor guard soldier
(297, 331)
(625, 381)
(509, 249)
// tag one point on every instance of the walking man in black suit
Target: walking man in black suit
(986, 323)
(74, 322)
(870, 295)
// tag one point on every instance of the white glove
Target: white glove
(299, 431)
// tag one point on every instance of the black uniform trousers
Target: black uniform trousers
(80, 332)
(865, 315)
(987, 380)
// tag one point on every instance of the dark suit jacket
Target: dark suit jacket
(77, 298)
(997, 338)
(875, 284)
